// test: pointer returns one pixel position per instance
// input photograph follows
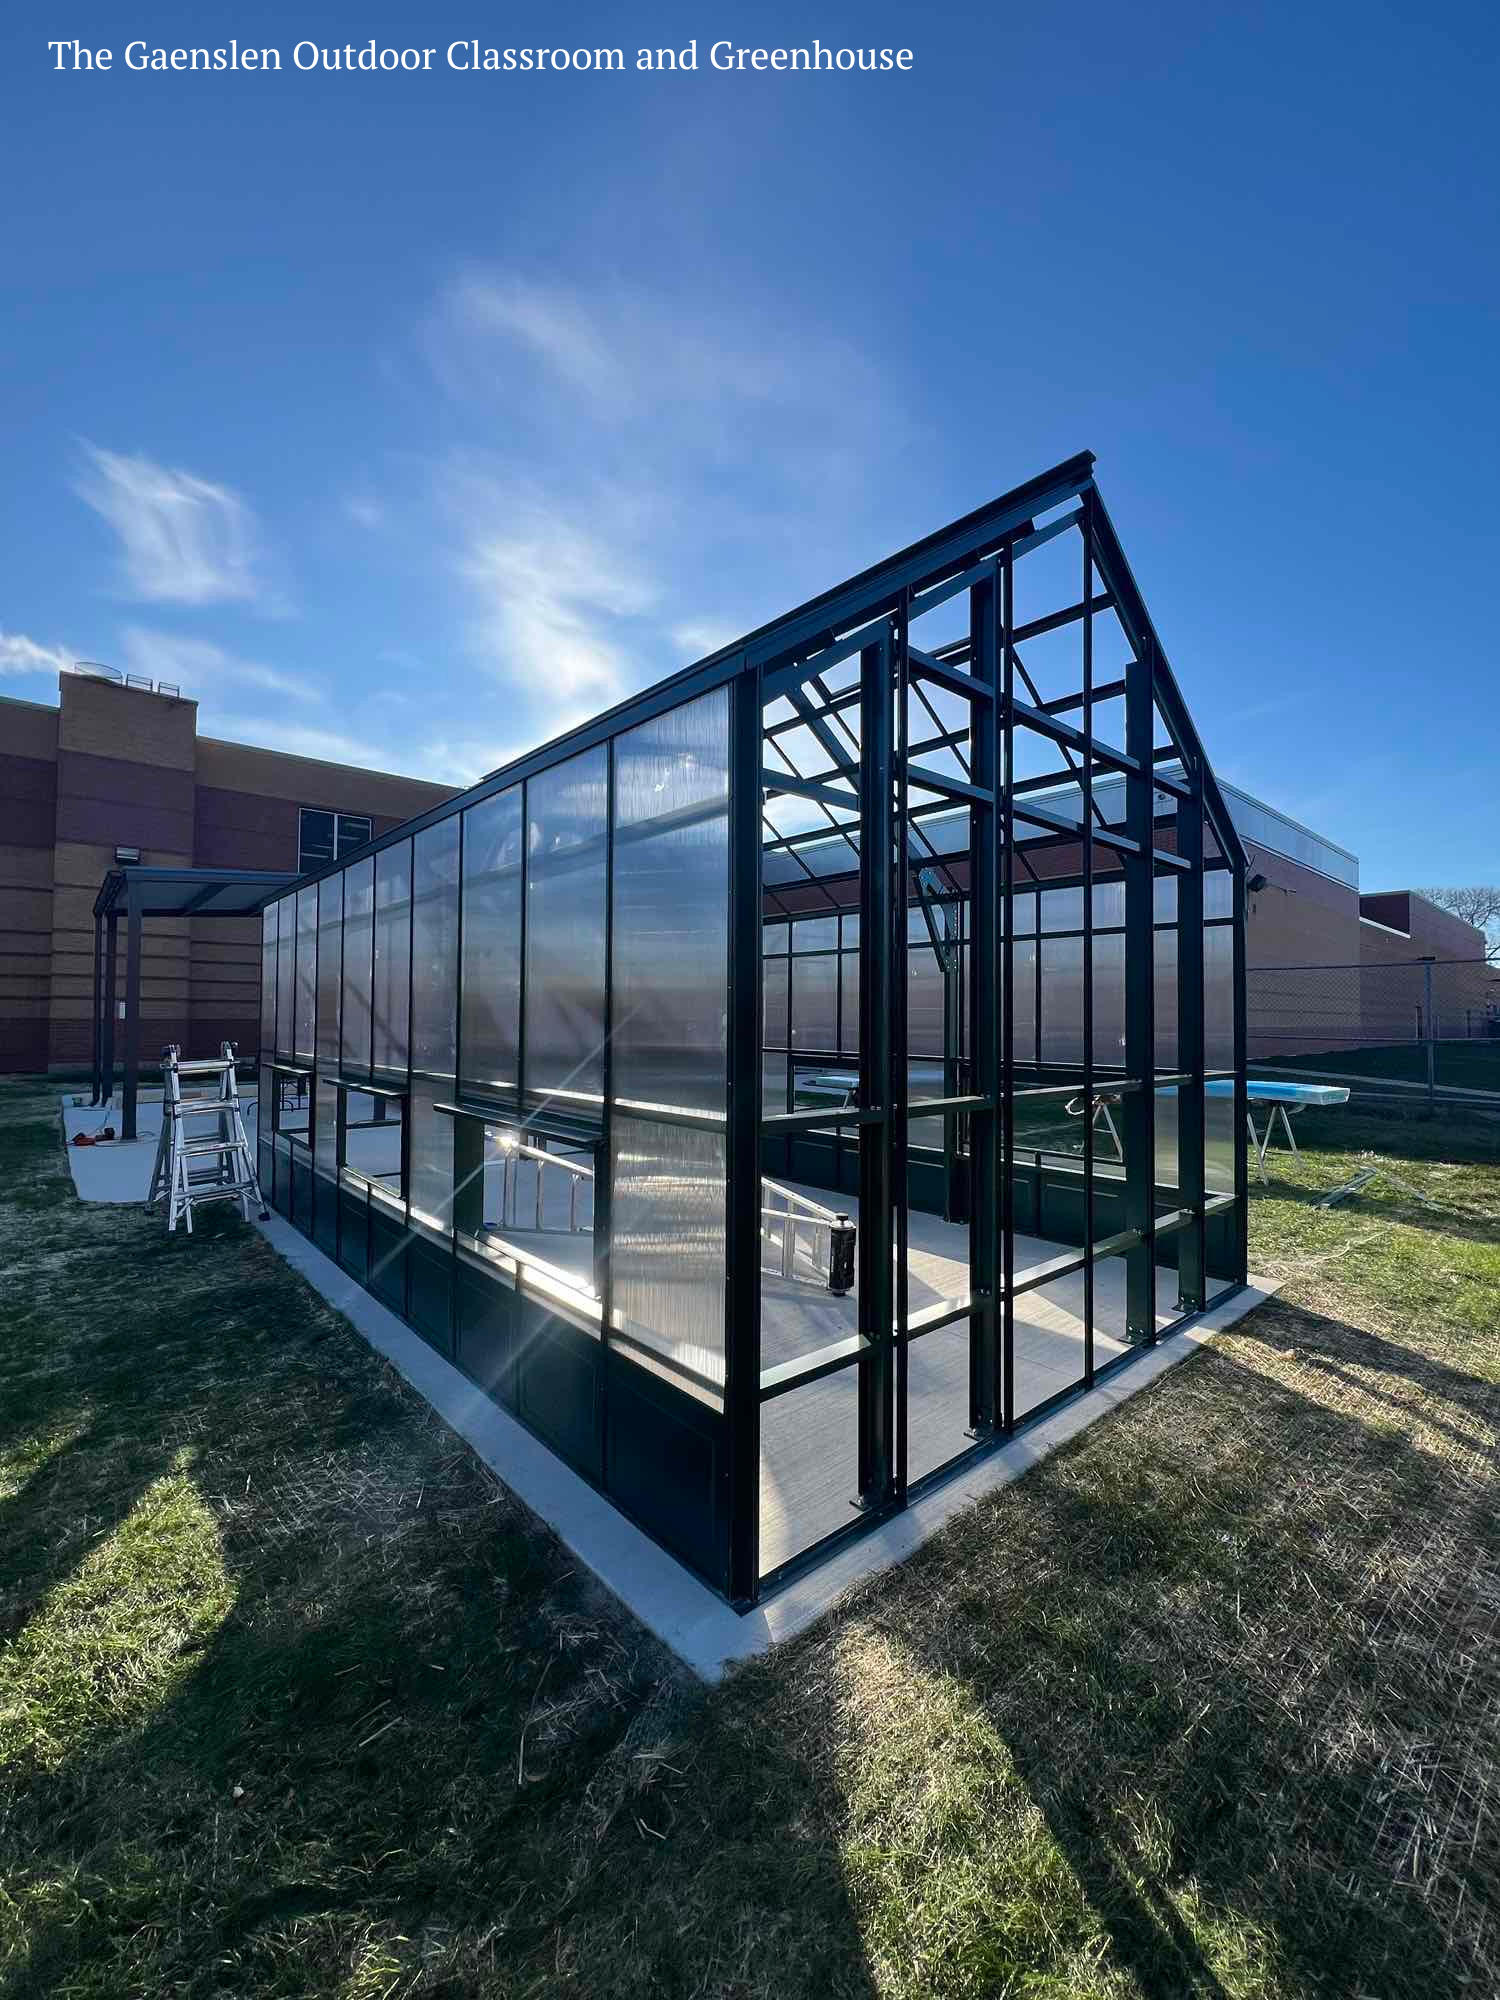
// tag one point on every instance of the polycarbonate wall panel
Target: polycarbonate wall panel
(434, 973)
(1166, 997)
(1062, 999)
(774, 1078)
(777, 1018)
(1109, 999)
(330, 967)
(491, 948)
(1219, 1134)
(670, 971)
(1218, 1145)
(849, 1001)
(1218, 996)
(1023, 976)
(924, 1000)
(325, 1127)
(566, 823)
(359, 936)
(430, 1159)
(268, 980)
(307, 973)
(391, 1005)
(286, 961)
(815, 999)
(670, 1001)
(667, 1220)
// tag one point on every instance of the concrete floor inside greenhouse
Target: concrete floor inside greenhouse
(809, 1438)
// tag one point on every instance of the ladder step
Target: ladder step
(220, 1193)
(213, 1146)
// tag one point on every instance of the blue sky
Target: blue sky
(407, 419)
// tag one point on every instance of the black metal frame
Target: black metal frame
(230, 893)
(836, 709)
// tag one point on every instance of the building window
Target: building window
(329, 836)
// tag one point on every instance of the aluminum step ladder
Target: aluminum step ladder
(190, 1169)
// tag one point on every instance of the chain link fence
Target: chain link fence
(1405, 1034)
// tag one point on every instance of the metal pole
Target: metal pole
(107, 1050)
(986, 942)
(1138, 1108)
(1192, 1289)
(97, 1039)
(1431, 1037)
(877, 888)
(1005, 1380)
(132, 1018)
(1087, 816)
(742, 1145)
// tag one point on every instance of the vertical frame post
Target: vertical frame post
(1087, 968)
(1429, 1026)
(986, 942)
(874, 1290)
(111, 980)
(1241, 907)
(742, 1240)
(899, 1128)
(132, 1017)
(1191, 1255)
(97, 1039)
(1005, 1390)
(604, 1178)
(1138, 1106)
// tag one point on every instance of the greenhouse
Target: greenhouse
(788, 1086)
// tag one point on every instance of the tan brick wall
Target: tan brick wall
(111, 766)
(28, 729)
(105, 719)
(308, 781)
(1301, 919)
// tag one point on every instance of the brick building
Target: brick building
(1397, 929)
(116, 773)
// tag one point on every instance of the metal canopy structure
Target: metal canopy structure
(795, 1081)
(136, 894)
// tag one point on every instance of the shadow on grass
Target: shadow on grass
(1236, 1646)
(1199, 1707)
(403, 1754)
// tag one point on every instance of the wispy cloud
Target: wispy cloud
(697, 638)
(365, 512)
(20, 655)
(183, 539)
(550, 323)
(199, 667)
(618, 441)
(300, 740)
(553, 600)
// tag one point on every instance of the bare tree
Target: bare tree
(1479, 905)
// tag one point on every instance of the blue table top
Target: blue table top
(1276, 1090)
(1259, 1089)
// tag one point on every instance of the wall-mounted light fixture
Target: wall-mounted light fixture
(126, 856)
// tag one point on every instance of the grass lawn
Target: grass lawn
(294, 1700)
